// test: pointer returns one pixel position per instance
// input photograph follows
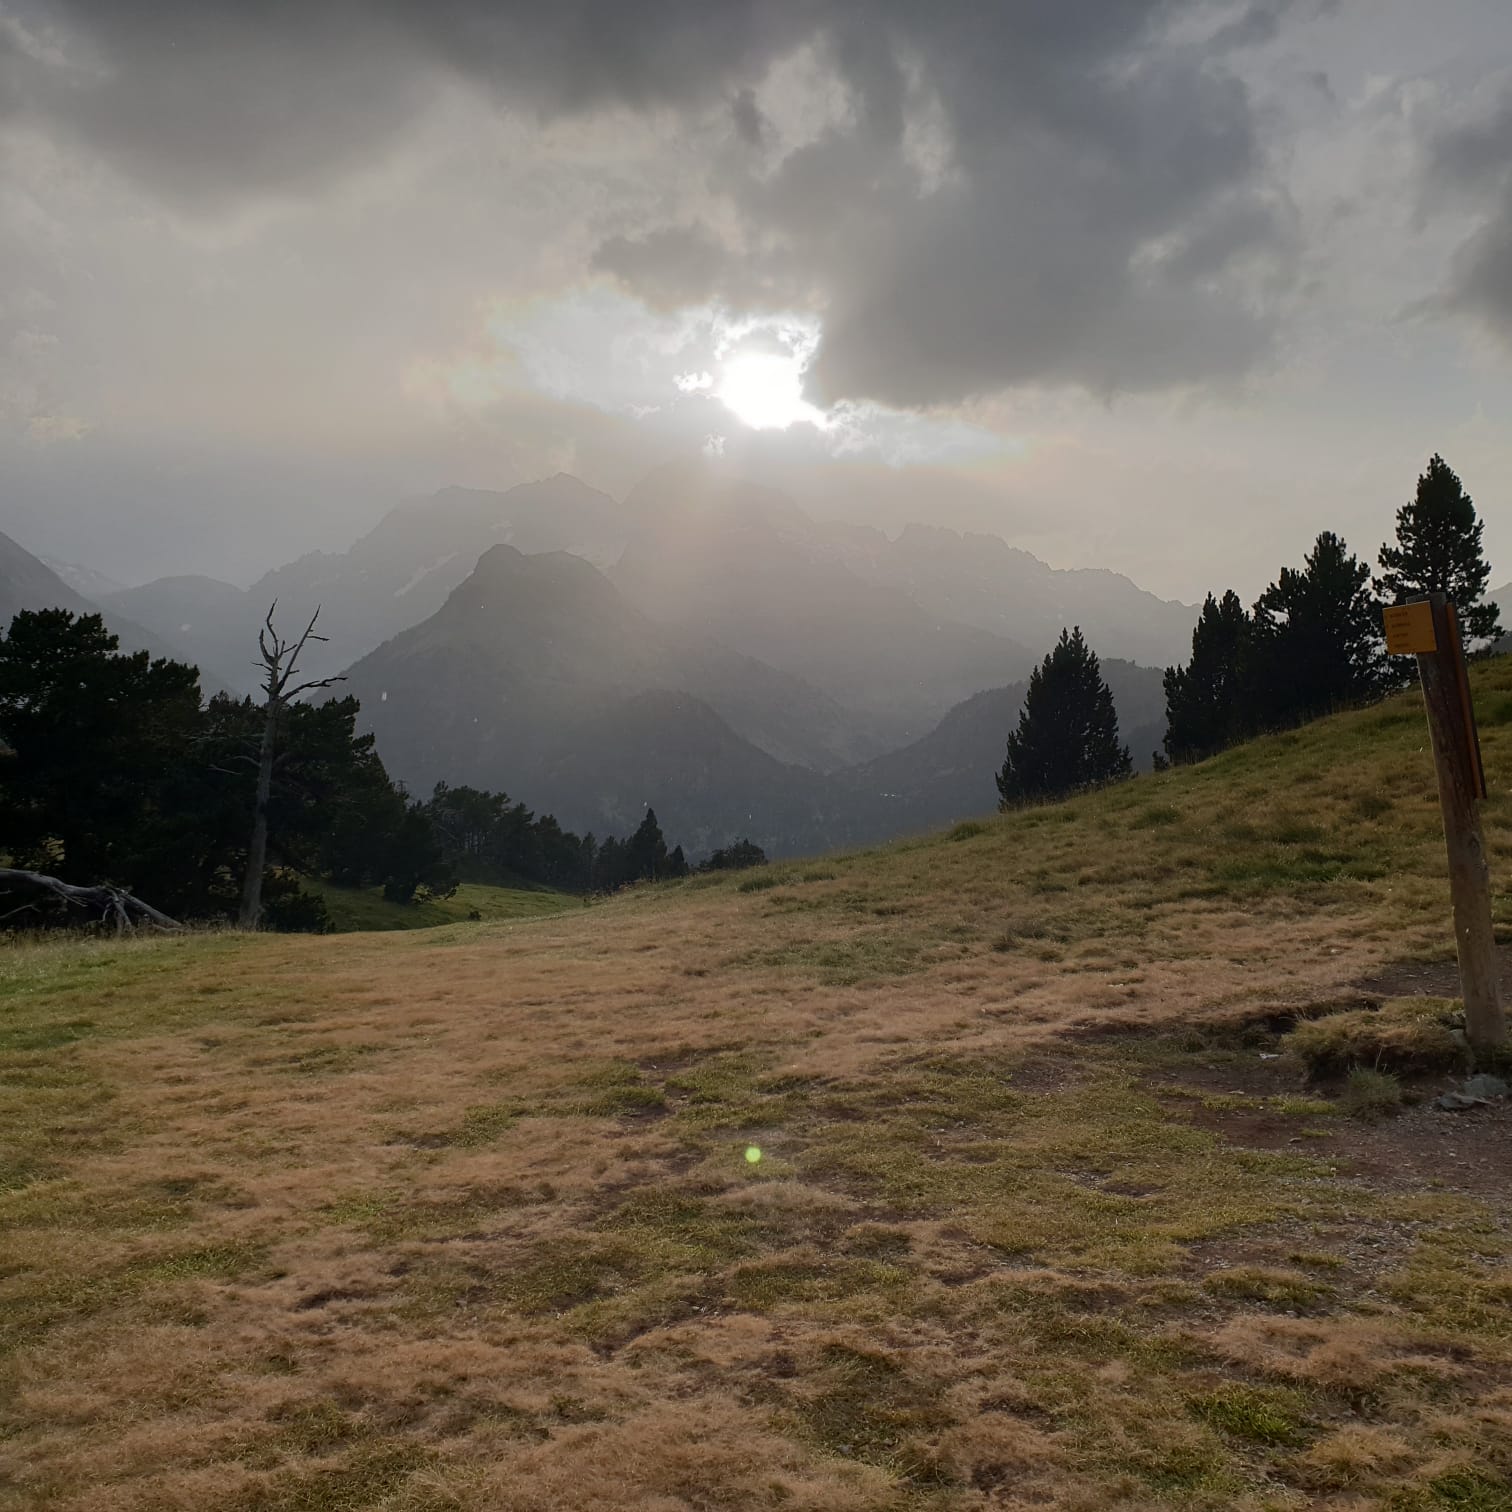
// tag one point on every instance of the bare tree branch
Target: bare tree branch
(122, 908)
(315, 682)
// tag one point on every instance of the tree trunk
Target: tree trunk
(257, 850)
(281, 659)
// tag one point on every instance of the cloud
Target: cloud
(994, 194)
(1096, 211)
(1467, 165)
(674, 265)
(207, 100)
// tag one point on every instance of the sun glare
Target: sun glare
(765, 390)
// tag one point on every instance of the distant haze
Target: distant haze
(702, 646)
(1157, 285)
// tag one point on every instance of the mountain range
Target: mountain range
(704, 646)
(27, 582)
(539, 675)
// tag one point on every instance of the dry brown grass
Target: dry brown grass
(463, 1219)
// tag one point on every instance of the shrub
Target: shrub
(736, 857)
(1370, 1094)
(294, 911)
(1405, 1034)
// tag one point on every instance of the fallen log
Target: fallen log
(110, 905)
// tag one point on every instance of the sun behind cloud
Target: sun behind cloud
(764, 390)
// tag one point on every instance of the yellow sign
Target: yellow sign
(1409, 629)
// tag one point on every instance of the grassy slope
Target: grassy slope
(462, 1219)
(365, 908)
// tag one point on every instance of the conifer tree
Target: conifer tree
(1207, 707)
(1438, 550)
(92, 747)
(734, 857)
(609, 865)
(1067, 735)
(1319, 644)
(646, 850)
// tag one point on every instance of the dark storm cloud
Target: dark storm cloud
(669, 266)
(1098, 197)
(1104, 184)
(206, 104)
(206, 100)
(750, 124)
(1470, 164)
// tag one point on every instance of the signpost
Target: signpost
(1429, 629)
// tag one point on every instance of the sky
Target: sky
(1166, 286)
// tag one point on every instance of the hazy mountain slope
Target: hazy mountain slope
(981, 580)
(756, 576)
(85, 581)
(949, 774)
(524, 648)
(212, 623)
(532, 646)
(403, 569)
(708, 785)
(782, 714)
(26, 582)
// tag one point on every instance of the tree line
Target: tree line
(115, 770)
(1310, 644)
(1313, 641)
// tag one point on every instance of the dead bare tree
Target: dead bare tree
(109, 904)
(280, 664)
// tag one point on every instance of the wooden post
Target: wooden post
(1461, 783)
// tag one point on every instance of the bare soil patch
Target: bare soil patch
(1437, 977)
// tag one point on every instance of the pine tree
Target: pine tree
(1318, 640)
(609, 865)
(92, 755)
(646, 850)
(1207, 707)
(1067, 735)
(1438, 550)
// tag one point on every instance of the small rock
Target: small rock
(1485, 1086)
(1459, 1102)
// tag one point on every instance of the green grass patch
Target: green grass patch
(1369, 1094)
(864, 1405)
(353, 908)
